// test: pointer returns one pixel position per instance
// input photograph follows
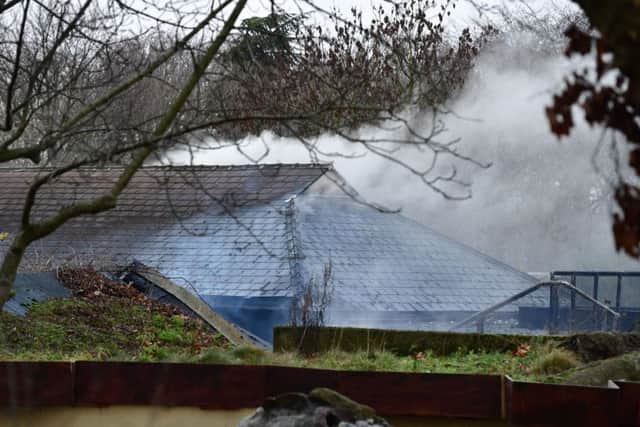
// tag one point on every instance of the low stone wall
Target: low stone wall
(588, 346)
(402, 343)
(601, 345)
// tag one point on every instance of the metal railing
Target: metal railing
(597, 277)
(554, 305)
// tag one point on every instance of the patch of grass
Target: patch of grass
(111, 328)
(212, 355)
(405, 343)
(250, 355)
(459, 362)
(555, 361)
(115, 329)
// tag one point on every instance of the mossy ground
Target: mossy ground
(598, 373)
(112, 328)
(109, 328)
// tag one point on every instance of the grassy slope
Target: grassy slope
(111, 328)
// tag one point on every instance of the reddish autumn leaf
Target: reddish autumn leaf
(626, 226)
(522, 350)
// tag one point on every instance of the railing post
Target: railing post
(554, 309)
(572, 310)
(618, 292)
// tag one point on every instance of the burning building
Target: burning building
(249, 240)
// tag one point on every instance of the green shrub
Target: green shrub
(248, 354)
(214, 356)
(173, 336)
(554, 361)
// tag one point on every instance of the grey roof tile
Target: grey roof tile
(374, 253)
(381, 262)
(34, 287)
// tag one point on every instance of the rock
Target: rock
(321, 408)
(601, 345)
(625, 367)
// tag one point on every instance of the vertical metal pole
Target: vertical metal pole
(572, 311)
(554, 310)
(594, 315)
(618, 292)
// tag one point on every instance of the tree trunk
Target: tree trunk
(32, 232)
(9, 268)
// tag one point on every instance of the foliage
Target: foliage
(351, 74)
(554, 361)
(610, 100)
(248, 354)
(308, 308)
(264, 41)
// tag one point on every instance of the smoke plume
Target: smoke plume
(543, 205)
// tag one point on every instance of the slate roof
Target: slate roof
(240, 232)
(170, 218)
(159, 192)
(34, 287)
(387, 262)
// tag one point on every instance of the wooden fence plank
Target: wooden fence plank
(629, 404)
(449, 395)
(172, 384)
(561, 405)
(283, 380)
(30, 384)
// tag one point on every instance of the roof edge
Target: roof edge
(323, 166)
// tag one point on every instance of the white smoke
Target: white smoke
(542, 206)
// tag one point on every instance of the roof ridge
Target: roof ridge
(294, 254)
(326, 166)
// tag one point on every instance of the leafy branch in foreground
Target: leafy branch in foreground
(609, 97)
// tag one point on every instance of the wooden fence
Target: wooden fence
(38, 384)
